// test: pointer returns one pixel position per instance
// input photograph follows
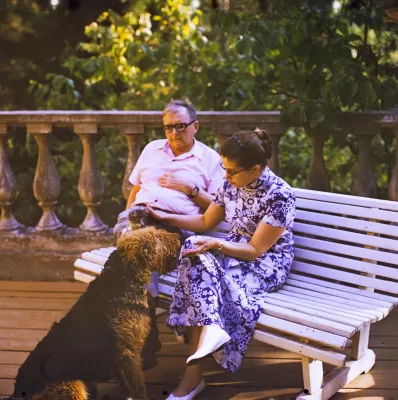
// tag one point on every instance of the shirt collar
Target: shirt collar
(196, 150)
(261, 181)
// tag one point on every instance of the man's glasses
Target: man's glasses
(229, 172)
(180, 127)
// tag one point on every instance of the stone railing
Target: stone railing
(86, 124)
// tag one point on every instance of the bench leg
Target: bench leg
(340, 377)
(312, 374)
(360, 342)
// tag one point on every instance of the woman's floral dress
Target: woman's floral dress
(224, 291)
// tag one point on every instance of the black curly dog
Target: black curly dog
(102, 335)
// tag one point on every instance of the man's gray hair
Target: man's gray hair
(175, 106)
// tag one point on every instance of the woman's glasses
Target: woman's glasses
(180, 127)
(229, 172)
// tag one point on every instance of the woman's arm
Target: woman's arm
(196, 223)
(263, 239)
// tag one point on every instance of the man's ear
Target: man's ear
(196, 126)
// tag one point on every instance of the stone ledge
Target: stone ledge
(66, 241)
(29, 255)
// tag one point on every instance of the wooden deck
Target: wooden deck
(27, 310)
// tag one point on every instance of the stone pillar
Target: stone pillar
(90, 186)
(390, 121)
(318, 178)
(275, 131)
(393, 185)
(8, 187)
(364, 182)
(222, 131)
(133, 134)
(46, 184)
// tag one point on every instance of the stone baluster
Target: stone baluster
(364, 128)
(46, 183)
(275, 132)
(134, 134)
(90, 185)
(318, 178)
(8, 187)
(274, 160)
(222, 131)
(363, 182)
(390, 122)
(393, 184)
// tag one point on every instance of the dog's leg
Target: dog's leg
(131, 330)
(152, 344)
(131, 376)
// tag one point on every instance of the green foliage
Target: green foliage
(305, 59)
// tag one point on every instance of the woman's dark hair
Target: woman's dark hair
(248, 148)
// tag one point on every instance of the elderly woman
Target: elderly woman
(215, 304)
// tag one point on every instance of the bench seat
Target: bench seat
(343, 279)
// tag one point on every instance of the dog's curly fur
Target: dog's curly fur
(103, 334)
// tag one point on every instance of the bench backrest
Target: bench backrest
(346, 239)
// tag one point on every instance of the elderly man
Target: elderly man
(178, 174)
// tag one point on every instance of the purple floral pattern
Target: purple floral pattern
(227, 291)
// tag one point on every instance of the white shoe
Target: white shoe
(191, 395)
(211, 339)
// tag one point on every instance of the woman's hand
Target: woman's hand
(158, 215)
(202, 244)
(171, 182)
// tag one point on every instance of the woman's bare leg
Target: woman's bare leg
(193, 374)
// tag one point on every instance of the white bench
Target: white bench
(344, 278)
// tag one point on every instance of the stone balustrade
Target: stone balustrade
(132, 125)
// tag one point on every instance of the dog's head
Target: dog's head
(151, 249)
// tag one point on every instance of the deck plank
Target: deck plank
(28, 309)
(25, 286)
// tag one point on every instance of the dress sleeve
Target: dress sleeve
(280, 208)
(219, 198)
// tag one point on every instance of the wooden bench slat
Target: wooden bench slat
(82, 277)
(364, 281)
(358, 311)
(108, 249)
(346, 199)
(343, 209)
(327, 356)
(352, 251)
(344, 222)
(340, 294)
(101, 253)
(88, 266)
(327, 307)
(94, 258)
(347, 263)
(316, 335)
(375, 310)
(343, 288)
(313, 309)
(308, 320)
(346, 236)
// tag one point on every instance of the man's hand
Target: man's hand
(171, 182)
(203, 244)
